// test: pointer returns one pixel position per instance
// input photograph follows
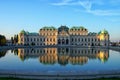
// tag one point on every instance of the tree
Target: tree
(14, 39)
(2, 40)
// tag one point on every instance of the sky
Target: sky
(31, 15)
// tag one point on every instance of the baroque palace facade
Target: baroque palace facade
(64, 36)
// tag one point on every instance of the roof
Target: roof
(27, 33)
(61, 28)
(78, 28)
(22, 32)
(48, 28)
(103, 32)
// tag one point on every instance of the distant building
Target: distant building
(64, 36)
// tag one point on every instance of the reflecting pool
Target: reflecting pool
(59, 59)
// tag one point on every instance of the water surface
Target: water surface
(59, 59)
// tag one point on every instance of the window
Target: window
(54, 39)
(92, 39)
(75, 39)
(95, 40)
(37, 39)
(79, 39)
(50, 39)
(40, 39)
(72, 39)
(82, 39)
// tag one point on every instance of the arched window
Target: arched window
(79, 39)
(67, 41)
(59, 41)
(72, 39)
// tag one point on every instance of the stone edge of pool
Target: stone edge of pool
(61, 75)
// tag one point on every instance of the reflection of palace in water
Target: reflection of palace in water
(64, 56)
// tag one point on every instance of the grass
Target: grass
(10, 78)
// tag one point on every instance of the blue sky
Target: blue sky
(31, 15)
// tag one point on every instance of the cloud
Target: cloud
(88, 5)
(63, 2)
(105, 12)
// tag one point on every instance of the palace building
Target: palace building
(64, 36)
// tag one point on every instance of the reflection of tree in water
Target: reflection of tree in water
(15, 51)
(2, 53)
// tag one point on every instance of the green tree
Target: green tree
(12, 40)
(2, 40)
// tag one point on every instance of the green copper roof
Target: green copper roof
(78, 28)
(27, 33)
(61, 28)
(23, 32)
(103, 32)
(49, 28)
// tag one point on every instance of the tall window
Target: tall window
(50, 39)
(27, 39)
(92, 39)
(37, 39)
(95, 39)
(40, 39)
(54, 39)
(85, 39)
(75, 39)
(72, 39)
(82, 39)
(79, 39)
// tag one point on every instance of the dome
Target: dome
(61, 28)
(103, 32)
(22, 32)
